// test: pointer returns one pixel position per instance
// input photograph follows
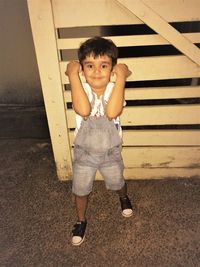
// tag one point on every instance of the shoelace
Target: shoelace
(125, 202)
(78, 228)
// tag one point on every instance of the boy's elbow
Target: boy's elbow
(112, 115)
(84, 113)
(111, 118)
(112, 112)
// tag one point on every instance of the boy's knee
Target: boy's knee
(81, 196)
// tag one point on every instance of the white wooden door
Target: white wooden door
(161, 136)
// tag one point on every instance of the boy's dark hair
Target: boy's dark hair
(98, 46)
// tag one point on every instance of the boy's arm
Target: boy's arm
(116, 100)
(81, 104)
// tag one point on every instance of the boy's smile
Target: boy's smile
(97, 72)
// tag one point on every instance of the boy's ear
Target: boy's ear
(113, 75)
(81, 70)
(82, 74)
(112, 72)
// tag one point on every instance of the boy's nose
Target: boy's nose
(96, 70)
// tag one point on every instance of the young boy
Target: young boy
(98, 104)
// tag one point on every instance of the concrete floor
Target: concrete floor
(37, 215)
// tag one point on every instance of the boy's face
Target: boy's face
(97, 72)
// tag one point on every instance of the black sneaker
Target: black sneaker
(127, 210)
(78, 233)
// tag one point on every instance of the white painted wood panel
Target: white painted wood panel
(156, 22)
(47, 58)
(78, 13)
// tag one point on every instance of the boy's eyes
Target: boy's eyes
(89, 66)
(103, 66)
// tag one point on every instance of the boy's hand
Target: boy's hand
(73, 67)
(122, 70)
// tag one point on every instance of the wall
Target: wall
(22, 112)
(19, 78)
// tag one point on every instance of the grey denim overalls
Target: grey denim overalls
(97, 136)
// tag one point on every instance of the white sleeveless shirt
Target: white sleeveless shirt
(98, 108)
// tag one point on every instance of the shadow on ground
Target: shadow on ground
(37, 215)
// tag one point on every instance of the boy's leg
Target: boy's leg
(114, 179)
(83, 177)
(78, 232)
(81, 203)
(112, 171)
(123, 191)
(80, 226)
(127, 209)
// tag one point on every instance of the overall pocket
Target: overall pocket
(115, 153)
(79, 153)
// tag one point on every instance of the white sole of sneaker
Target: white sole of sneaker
(127, 215)
(78, 244)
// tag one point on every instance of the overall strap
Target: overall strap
(93, 100)
(103, 101)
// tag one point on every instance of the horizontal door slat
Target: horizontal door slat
(153, 115)
(157, 137)
(161, 138)
(153, 68)
(158, 157)
(155, 93)
(125, 41)
(162, 93)
(157, 173)
(161, 115)
(161, 157)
